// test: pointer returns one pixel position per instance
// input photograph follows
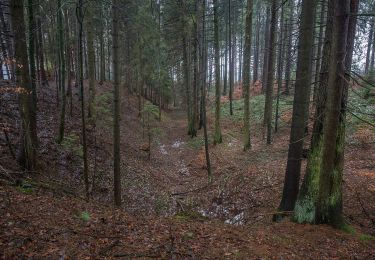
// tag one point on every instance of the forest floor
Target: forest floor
(170, 210)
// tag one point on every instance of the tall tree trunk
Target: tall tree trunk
(329, 203)
(266, 50)
(32, 30)
(69, 65)
(231, 59)
(319, 47)
(43, 74)
(280, 67)
(217, 135)
(246, 74)
(369, 45)
(204, 62)
(226, 54)
(257, 47)
(187, 82)
(116, 102)
(27, 152)
(300, 106)
(372, 58)
(4, 48)
(80, 80)
(91, 62)
(306, 203)
(102, 45)
(195, 111)
(289, 35)
(61, 72)
(240, 52)
(270, 71)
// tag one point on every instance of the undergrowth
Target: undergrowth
(256, 108)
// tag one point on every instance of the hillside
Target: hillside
(170, 209)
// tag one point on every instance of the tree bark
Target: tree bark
(329, 203)
(91, 62)
(27, 152)
(306, 203)
(246, 74)
(116, 103)
(369, 45)
(61, 72)
(270, 73)
(300, 106)
(266, 50)
(80, 80)
(217, 135)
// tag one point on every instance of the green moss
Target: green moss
(366, 238)
(305, 209)
(348, 229)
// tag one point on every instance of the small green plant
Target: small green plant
(349, 229)
(85, 216)
(256, 108)
(198, 142)
(26, 187)
(366, 238)
(72, 144)
(161, 203)
(103, 109)
(150, 115)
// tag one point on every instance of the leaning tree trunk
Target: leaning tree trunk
(329, 203)
(27, 151)
(300, 107)
(246, 74)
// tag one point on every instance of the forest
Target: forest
(187, 129)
